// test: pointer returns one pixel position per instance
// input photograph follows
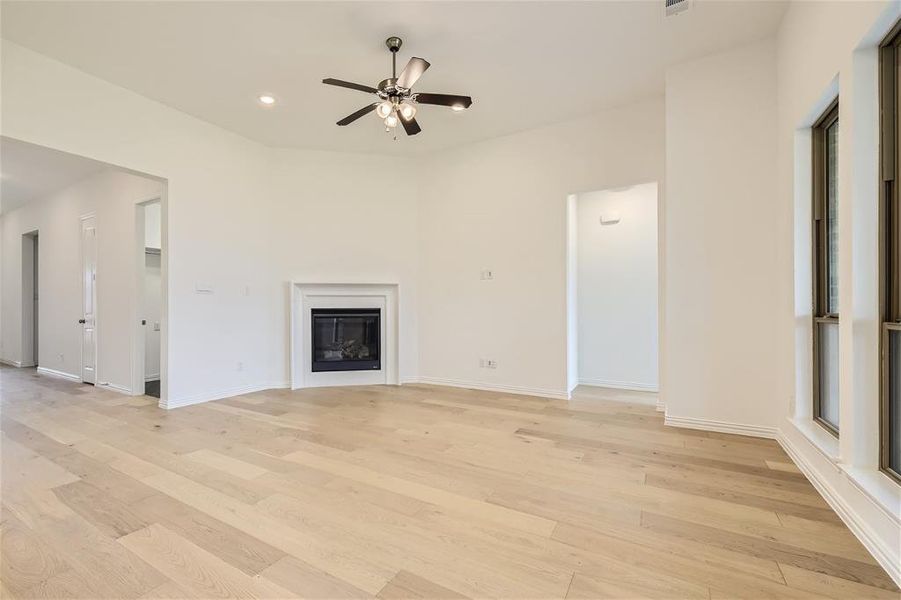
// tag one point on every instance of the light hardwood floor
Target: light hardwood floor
(401, 492)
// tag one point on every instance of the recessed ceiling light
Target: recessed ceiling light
(267, 100)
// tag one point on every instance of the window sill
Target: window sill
(821, 439)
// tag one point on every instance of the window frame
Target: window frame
(819, 221)
(889, 228)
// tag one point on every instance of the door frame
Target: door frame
(571, 348)
(139, 331)
(29, 341)
(84, 217)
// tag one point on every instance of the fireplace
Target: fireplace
(346, 339)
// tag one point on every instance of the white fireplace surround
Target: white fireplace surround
(307, 296)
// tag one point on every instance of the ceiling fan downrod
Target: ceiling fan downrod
(394, 43)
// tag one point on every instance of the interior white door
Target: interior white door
(89, 300)
(36, 305)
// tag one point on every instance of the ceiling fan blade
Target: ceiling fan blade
(412, 72)
(350, 85)
(354, 116)
(411, 126)
(451, 100)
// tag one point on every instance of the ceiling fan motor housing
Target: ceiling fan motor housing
(388, 90)
(394, 43)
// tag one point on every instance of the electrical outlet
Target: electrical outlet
(61, 357)
(491, 363)
(240, 366)
(487, 275)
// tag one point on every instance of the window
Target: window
(890, 249)
(825, 270)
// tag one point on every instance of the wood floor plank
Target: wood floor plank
(111, 516)
(832, 587)
(234, 466)
(610, 585)
(411, 491)
(114, 573)
(169, 591)
(28, 561)
(513, 518)
(335, 558)
(194, 569)
(683, 574)
(68, 585)
(804, 510)
(306, 581)
(245, 552)
(835, 566)
(406, 585)
(779, 465)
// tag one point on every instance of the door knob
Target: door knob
(81, 321)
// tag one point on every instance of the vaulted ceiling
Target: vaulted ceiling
(525, 64)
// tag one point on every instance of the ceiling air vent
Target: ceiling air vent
(674, 7)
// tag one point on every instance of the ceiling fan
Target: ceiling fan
(397, 100)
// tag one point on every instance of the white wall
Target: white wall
(737, 338)
(501, 205)
(153, 225)
(112, 196)
(824, 49)
(617, 288)
(240, 217)
(722, 241)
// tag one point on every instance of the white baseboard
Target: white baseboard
(55, 373)
(849, 502)
(489, 387)
(11, 363)
(221, 394)
(114, 387)
(721, 426)
(620, 385)
(661, 407)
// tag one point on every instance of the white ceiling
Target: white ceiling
(525, 64)
(29, 172)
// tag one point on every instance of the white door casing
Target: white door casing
(89, 299)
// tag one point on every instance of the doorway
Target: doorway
(75, 291)
(30, 299)
(613, 293)
(88, 320)
(151, 290)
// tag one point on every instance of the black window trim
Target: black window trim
(889, 229)
(821, 314)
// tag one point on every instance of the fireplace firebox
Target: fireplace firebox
(346, 339)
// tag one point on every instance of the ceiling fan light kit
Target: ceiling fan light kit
(396, 99)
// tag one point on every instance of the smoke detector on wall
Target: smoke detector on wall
(674, 7)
